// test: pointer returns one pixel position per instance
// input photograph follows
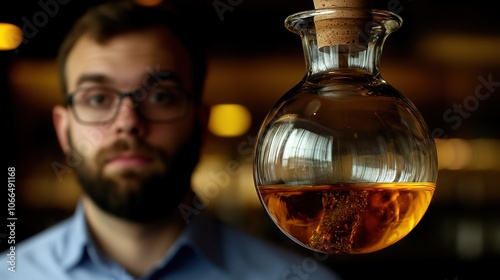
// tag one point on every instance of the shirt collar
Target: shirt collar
(202, 235)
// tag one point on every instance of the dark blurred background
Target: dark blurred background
(445, 58)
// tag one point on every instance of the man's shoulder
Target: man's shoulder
(255, 245)
(42, 249)
(260, 254)
(47, 239)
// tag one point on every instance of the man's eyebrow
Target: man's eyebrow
(158, 76)
(96, 78)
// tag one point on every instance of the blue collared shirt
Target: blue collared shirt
(207, 249)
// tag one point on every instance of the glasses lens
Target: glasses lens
(95, 104)
(164, 104)
(101, 104)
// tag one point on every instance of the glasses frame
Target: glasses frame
(187, 95)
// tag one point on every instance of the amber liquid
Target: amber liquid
(347, 219)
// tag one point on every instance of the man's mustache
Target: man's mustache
(132, 145)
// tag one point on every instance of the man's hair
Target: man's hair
(117, 17)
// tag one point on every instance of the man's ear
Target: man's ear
(60, 118)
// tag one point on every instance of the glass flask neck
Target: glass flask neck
(358, 55)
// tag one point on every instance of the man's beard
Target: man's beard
(157, 194)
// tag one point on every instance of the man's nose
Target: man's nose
(128, 120)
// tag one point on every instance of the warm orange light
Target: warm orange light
(474, 154)
(229, 120)
(11, 36)
(458, 48)
(148, 2)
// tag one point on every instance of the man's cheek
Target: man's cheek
(86, 140)
(85, 148)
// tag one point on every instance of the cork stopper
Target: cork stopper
(344, 27)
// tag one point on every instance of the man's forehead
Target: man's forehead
(138, 54)
(150, 43)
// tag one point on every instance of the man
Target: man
(133, 78)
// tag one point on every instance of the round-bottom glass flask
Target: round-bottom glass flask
(344, 163)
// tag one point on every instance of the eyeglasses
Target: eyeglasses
(98, 104)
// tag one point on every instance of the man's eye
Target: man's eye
(98, 99)
(165, 98)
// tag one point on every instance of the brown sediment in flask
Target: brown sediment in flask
(345, 26)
